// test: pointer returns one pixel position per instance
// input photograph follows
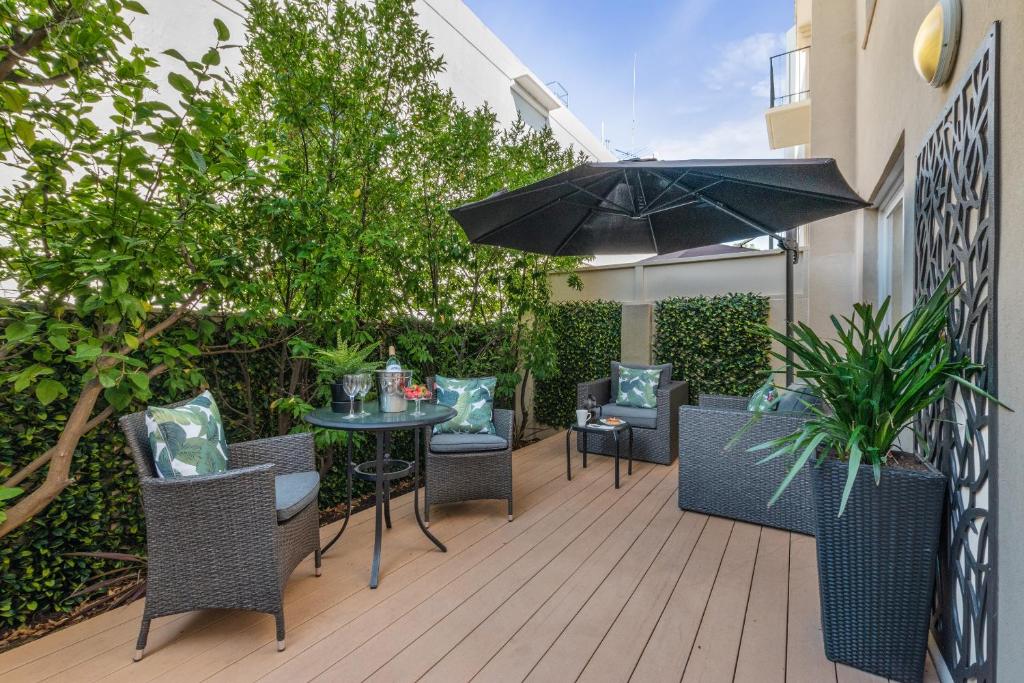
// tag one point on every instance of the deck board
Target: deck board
(587, 583)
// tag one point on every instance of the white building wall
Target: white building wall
(479, 68)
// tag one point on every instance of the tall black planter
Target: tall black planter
(876, 566)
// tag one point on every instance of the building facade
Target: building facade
(479, 68)
(939, 165)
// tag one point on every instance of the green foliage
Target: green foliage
(873, 382)
(717, 344)
(6, 493)
(345, 359)
(587, 335)
(257, 218)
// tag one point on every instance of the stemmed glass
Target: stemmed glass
(365, 383)
(350, 384)
(422, 394)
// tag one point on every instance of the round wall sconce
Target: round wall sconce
(937, 41)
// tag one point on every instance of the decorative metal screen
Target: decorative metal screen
(956, 228)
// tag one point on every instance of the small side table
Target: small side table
(593, 428)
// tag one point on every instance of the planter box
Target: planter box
(876, 565)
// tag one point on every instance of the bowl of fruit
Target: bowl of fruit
(417, 392)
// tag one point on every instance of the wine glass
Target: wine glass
(350, 384)
(365, 382)
(420, 395)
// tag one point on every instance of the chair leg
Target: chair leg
(510, 509)
(279, 618)
(317, 559)
(140, 644)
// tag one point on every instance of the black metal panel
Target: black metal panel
(956, 228)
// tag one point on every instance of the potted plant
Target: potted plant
(344, 359)
(878, 509)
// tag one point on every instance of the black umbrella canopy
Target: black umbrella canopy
(644, 206)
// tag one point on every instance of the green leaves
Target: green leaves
(586, 341)
(48, 390)
(874, 381)
(222, 30)
(717, 344)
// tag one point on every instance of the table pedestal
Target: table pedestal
(382, 471)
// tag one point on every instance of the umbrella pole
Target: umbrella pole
(789, 246)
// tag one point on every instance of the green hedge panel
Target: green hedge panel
(588, 335)
(714, 342)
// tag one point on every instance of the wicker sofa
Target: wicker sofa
(655, 435)
(728, 482)
(228, 540)
(463, 467)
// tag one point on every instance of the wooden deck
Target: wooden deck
(588, 583)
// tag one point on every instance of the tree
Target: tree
(112, 232)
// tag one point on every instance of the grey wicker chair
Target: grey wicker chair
(215, 541)
(653, 441)
(460, 472)
(728, 482)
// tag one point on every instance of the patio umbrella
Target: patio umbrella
(645, 206)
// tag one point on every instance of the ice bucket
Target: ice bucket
(390, 389)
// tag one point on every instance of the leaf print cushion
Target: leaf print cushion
(638, 387)
(473, 401)
(187, 440)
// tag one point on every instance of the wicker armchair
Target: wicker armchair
(657, 443)
(215, 541)
(728, 482)
(459, 474)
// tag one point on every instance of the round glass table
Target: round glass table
(383, 469)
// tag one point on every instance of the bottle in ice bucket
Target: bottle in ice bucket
(391, 382)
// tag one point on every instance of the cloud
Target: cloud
(737, 139)
(744, 63)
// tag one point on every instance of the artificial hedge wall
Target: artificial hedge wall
(714, 343)
(588, 339)
(101, 511)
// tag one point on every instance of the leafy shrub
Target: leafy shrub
(714, 343)
(588, 335)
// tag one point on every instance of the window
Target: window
(895, 270)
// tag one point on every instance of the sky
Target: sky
(701, 67)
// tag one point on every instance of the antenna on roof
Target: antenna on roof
(632, 130)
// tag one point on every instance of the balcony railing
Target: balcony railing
(789, 77)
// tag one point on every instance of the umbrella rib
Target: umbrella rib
(780, 188)
(738, 216)
(689, 193)
(591, 208)
(670, 186)
(601, 199)
(572, 233)
(528, 213)
(685, 202)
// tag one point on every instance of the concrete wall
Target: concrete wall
(479, 68)
(869, 106)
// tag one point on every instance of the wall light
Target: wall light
(937, 41)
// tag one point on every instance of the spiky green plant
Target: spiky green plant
(344, 359)
(872, 382)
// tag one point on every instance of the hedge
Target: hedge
(714, 342)
(588, 339)
(101, 510)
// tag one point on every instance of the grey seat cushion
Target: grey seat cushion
(467, 443)
(663, 380)
(637, 417)
(293, 492)
(795, 397)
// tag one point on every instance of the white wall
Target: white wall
(479, 68)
